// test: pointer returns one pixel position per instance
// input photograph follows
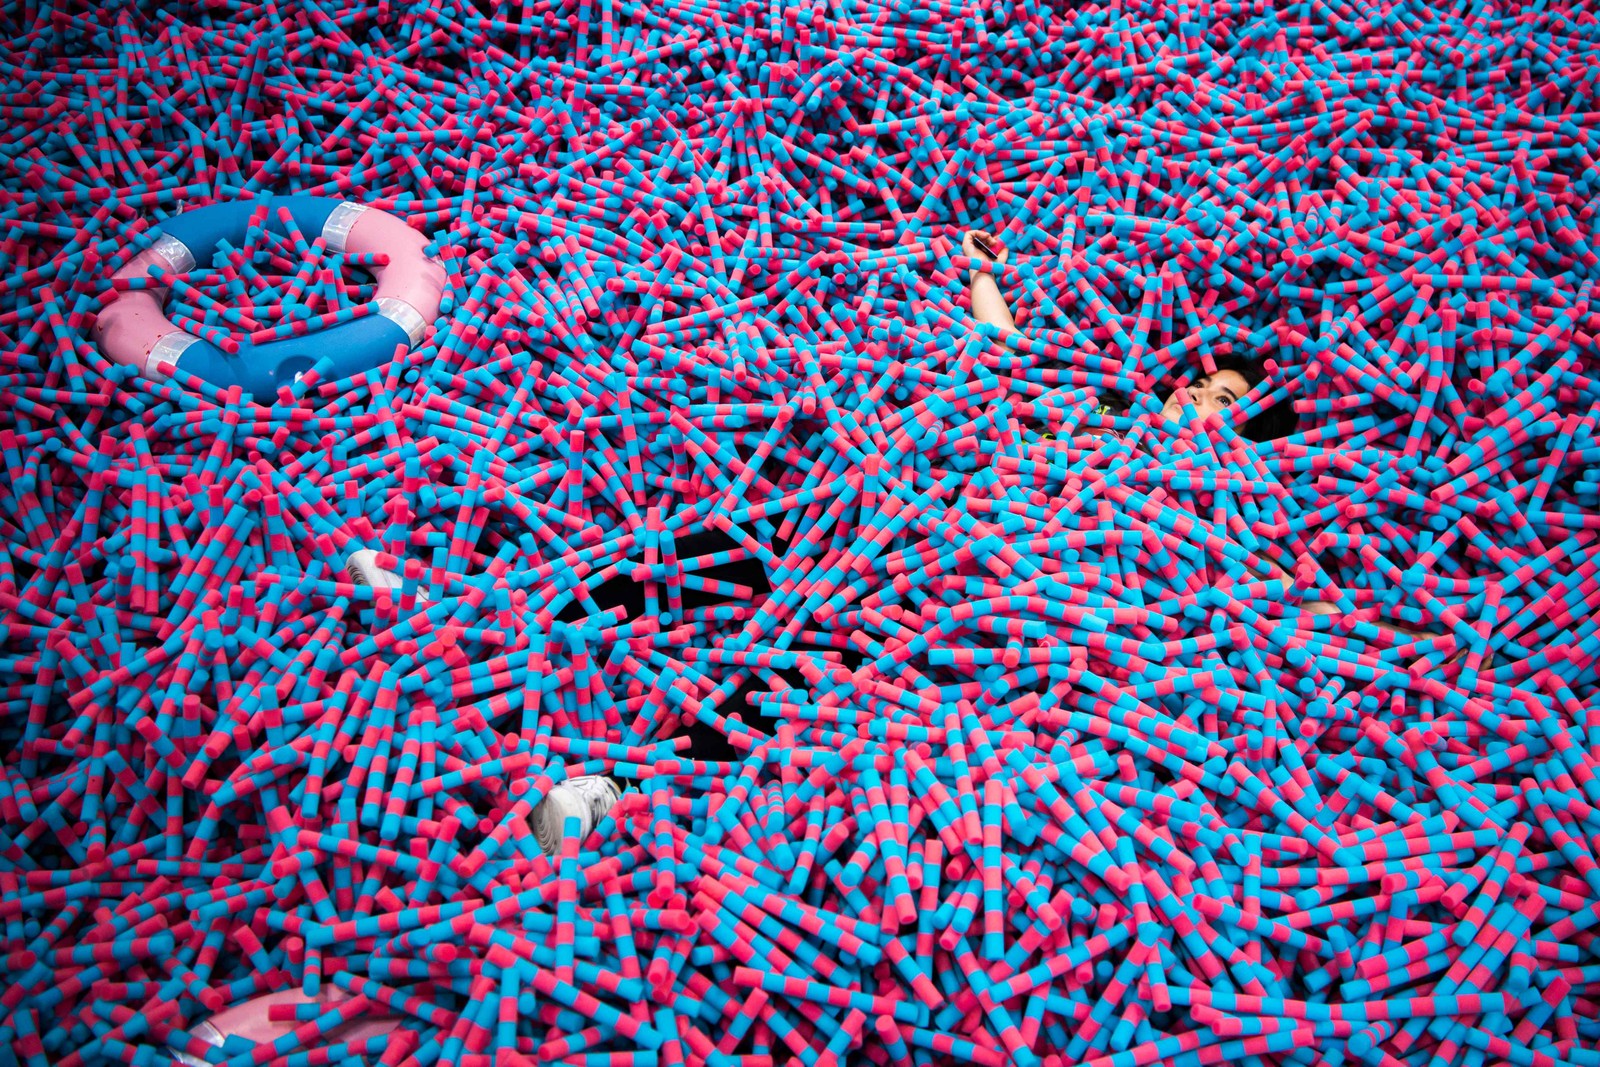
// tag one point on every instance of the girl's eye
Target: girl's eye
(1224, 401)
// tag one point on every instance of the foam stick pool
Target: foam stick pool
(134, 331)
(970, 708)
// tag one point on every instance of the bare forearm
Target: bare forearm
(988, 305)
(1322, 607)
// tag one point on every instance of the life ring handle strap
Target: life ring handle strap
(199, 230)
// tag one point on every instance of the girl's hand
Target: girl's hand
(969, 245)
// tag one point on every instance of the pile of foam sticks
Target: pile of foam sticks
(1045, 744)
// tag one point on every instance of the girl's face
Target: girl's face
(1218, 392)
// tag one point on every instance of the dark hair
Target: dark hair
(1279, 420)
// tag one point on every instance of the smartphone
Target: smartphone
(984, 247)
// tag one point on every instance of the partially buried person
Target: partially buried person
(1207, 395)
(1210, 394)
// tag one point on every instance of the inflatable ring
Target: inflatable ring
(134, 329)
(250, 1020)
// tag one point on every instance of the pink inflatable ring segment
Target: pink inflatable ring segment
(251, 1021)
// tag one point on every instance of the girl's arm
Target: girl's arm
(988, 305)
(1323, 607)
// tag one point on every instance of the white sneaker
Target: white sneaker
(589, 797)
(205, 1032)
(362, 567)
